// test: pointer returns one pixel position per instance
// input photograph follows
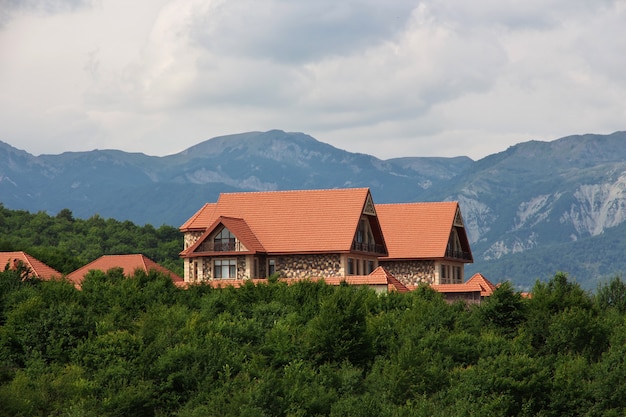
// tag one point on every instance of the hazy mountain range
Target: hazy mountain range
(532, 210)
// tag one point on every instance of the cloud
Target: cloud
(298, 31)
(397, 78)
(8, 8)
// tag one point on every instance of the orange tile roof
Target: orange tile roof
(129, 263)
(455, 288)
(201, 219)
(416, 230)
(392, 282)
(298, 221)
(38, 268)
(487, 288)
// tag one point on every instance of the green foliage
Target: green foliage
(504, 310)
(139, 345)
(612, 295)
(66, 243)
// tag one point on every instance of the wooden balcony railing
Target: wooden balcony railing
(456, 254)
(368, 247)
(223, 246)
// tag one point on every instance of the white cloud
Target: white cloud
(397, 78)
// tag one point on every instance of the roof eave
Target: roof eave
(219, 253)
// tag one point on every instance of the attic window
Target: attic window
(458, 220)
(224, 241)
(369, 206)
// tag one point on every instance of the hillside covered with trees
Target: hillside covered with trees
(66, 243)
(139, 346)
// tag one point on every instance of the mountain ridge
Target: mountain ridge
(533, 195)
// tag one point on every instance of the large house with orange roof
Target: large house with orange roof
(330, 234)
(296, 234)
(128, 263)
(426, 242)
(12, 260)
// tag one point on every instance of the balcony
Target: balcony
(456, 254)
(368, 247)
(221, 245)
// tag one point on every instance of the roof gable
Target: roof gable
(419, 230)
(38, 268)
(237, 227)
(129, 263)
(298, 221)
(486, 287)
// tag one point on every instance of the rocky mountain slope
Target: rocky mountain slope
(531, 197)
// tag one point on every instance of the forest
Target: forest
(139, 346)
(66, 243)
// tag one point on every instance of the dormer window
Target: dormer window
(224, 241)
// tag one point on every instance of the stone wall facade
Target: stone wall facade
(288, 266)
(411, 272)
(190, 238)
(304, 266)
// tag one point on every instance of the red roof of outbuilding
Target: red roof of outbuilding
(449, 288)
(486, 287)
(38, 268)
(298, 221)
(129, 263)
(417, 230)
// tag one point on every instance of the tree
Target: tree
(339, 331)
(612, 295)
(504, 310)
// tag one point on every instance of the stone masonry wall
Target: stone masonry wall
(303, 266)
(411, 272)
(190, 238)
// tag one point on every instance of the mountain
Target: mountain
(565, 197)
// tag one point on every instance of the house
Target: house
(295, 234)
(324, 234)
(12, 260)
(426, 242)
(128, 263)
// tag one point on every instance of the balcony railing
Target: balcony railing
(457, 254)
(368, 247)
(221, 246)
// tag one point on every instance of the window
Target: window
(224, 241)
(457, 274)
(444, 274)
(271, 267)
(350, 266)
(370, 267)
(225, 268)
(360, 233)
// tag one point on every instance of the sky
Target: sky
(388, 78)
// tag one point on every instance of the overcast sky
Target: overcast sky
(388, 78)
